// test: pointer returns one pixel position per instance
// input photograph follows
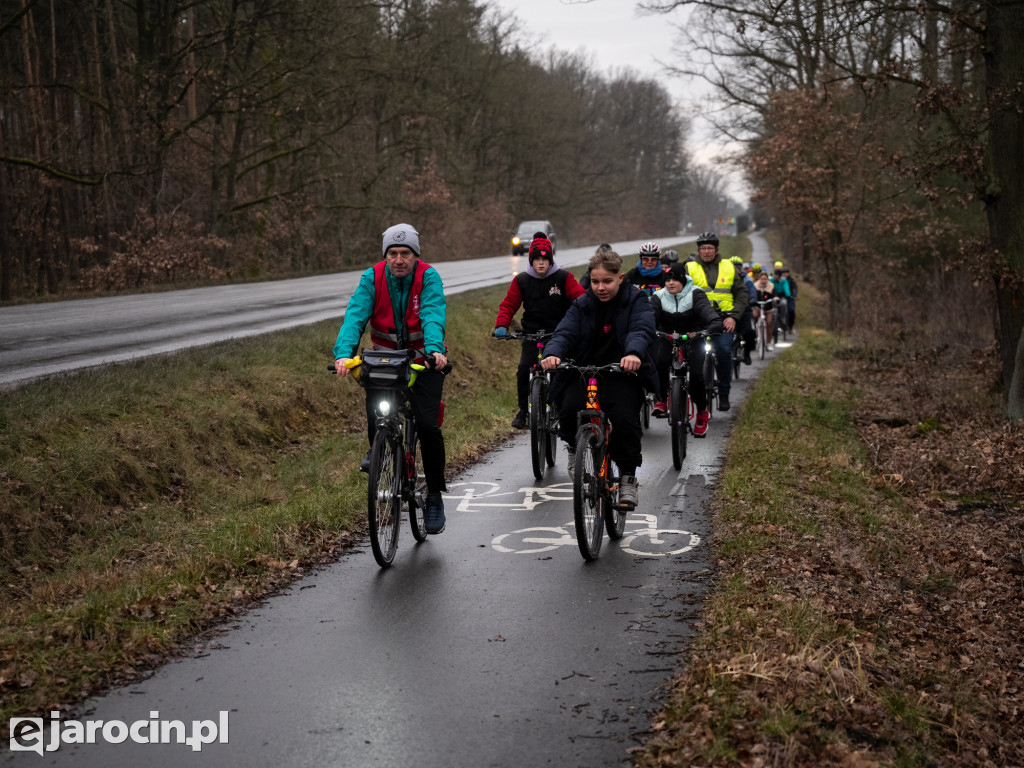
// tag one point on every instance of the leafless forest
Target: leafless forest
(174, 141)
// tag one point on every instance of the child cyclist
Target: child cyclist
(611, 323)
(681, 307)
(545, 292)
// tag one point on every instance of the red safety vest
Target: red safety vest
(383, 332)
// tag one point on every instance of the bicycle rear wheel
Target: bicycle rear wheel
(551, 429)
(384, 496)
(417, 485)
(538, 435)
(587, 496)
(680, 417)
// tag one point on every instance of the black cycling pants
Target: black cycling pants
(526, 361)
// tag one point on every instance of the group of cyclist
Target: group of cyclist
(608, 316)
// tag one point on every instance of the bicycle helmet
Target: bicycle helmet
(756, 266)
(707, 238)
(737, 259)
(778, 265)
(649, 249)
(668, 258)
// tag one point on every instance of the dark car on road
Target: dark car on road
(525, 232)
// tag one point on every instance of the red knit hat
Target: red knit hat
(540, 247)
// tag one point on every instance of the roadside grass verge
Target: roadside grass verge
(142, 503)
(801, 657)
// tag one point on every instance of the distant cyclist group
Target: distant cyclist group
(628, 333)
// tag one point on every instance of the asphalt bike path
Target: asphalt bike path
(492, 644)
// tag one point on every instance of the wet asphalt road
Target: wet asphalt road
(51, 337)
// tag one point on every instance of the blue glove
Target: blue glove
(500, 332)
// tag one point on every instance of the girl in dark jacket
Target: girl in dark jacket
(681, 307)
(610, 323)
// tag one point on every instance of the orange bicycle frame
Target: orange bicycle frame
(594, 405)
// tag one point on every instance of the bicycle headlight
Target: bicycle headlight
(707, 346)
(384, 407)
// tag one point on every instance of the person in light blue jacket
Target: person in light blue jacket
(682, 307)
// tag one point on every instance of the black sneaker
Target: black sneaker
(364, 465)
(434, 513)
(746, 356)
(723, 403)
(521, 421)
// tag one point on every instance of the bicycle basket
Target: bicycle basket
(385, 367)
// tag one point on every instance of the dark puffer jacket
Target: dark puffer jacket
(633, 327)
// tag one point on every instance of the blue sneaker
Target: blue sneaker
(434, 513)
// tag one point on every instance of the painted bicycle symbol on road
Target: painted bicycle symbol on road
(643, 538)
(481, 496)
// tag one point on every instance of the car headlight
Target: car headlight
(516, 241)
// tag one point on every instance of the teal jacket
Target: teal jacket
(781, 286)
(433, 312)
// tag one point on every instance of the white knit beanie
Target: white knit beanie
(402, 234)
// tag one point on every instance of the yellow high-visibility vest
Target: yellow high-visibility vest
(722, 292)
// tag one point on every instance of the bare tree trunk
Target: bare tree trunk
(1004, 61)
(6, 254)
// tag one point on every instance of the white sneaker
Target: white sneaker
(628, 491)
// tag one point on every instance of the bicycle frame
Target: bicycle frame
(594, 415)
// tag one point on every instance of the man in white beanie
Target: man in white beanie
(402, 299)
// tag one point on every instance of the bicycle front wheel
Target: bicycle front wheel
(710, 380)
(680, 417)
(737, 355)
(384, 496)
(538, 434)
(587, 496)
(762, 341)
(416, 485)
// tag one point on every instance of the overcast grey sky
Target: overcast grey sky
(615, 35)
